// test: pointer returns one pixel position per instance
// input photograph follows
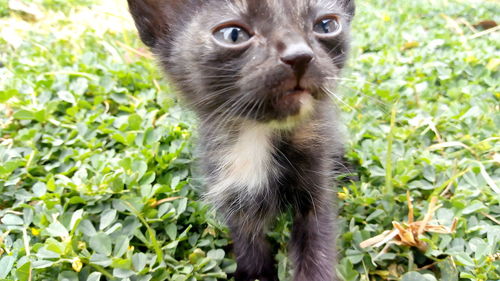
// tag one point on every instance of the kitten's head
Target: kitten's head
(262, 60)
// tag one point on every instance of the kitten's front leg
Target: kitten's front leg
(253, 252)
(312, 245)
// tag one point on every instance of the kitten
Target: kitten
(258, 74)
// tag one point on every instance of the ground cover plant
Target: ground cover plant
(96, 153)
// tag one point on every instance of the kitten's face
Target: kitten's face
(263, 60)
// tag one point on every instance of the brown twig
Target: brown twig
(484, 32)
(170, 199)
(490, 217)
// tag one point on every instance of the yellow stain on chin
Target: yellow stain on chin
(306, 109)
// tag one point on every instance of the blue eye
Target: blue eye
(232, 35)
(328, 26)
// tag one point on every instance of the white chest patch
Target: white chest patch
(246, 164)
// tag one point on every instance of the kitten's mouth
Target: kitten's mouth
(298, 90)
(295, 102)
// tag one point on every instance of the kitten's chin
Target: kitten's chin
(297, 105)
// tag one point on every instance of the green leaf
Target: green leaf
(6, 95)
(135, 122)
(66, 96)
(107, 218)
(101, 243)
(57, 229)
(448, 269)
(122, 273)
(464, 259)
(80, 86)
(196, 255)
(475, 207)
(171, 230)
(182, 205)
(39, 264)
(77, 215)
(23, 272)
(39, 189)
(87, 228)
(45, 253)
(479, 247)
(412, 276)
(429, 277)
(6, 264)
(347, 271)
(121, 246)
(375, 214)
(10, 219)
(24, 115)
(100, 259)
(355, 256)
(94, 276)
(139, 261)
(28, 216)
(9, 167)
(139, 167)
(217, 255)
(67, 276)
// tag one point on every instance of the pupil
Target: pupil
(326, 26)
(235, 33)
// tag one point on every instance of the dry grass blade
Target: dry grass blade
(170, 199)
(407, 234)
(383, 238)
(485, 32)
(410, 208)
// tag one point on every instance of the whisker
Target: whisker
(338, 98)
(236, 105)
(380, 104)
(211, 96)
(349, 79)
(216, 111)
(228, 68)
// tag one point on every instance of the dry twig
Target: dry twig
(408, 234)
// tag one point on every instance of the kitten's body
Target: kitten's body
(268, 132)
(272, 170)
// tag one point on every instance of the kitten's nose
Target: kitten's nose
(297, 55)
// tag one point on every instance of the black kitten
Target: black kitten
(259, 75)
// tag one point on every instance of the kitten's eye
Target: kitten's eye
(328, 26)
(233, 35)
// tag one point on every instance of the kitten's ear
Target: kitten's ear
(153, 18)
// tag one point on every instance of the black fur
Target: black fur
(234, 90)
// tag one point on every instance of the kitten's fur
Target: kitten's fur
(263, 150)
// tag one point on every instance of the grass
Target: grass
(95, 152)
